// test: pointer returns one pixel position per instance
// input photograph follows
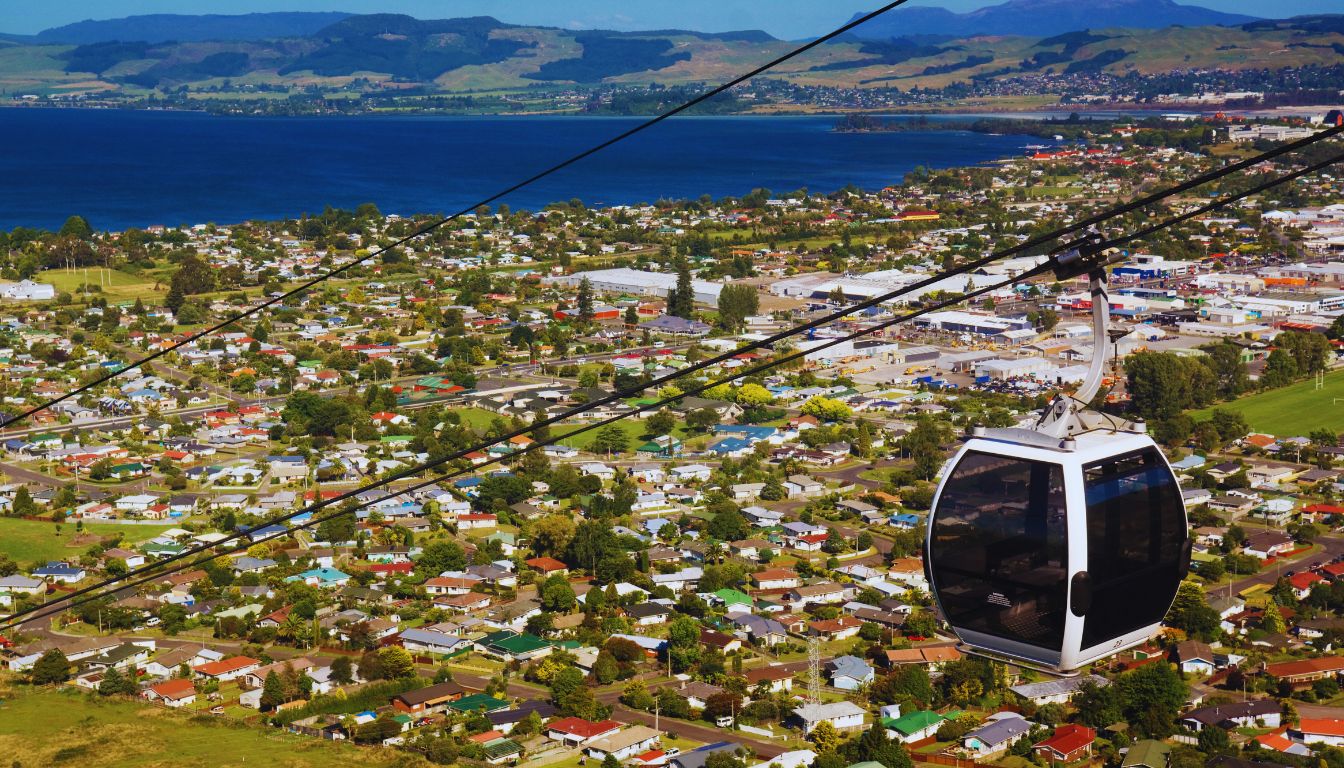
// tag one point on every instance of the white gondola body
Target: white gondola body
(1056, 556)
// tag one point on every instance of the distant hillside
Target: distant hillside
(1044, 17)
(162, 27)
(386, 55)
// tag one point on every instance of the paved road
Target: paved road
(1331, 547)
(706, 733)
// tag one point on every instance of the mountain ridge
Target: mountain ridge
(185, 28)
(1044, 17)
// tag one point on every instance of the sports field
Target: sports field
(1294, 410)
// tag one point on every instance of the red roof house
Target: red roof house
(1069, 743)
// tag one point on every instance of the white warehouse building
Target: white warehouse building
(626, 280)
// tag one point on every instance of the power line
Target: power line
(621, 394)
(1044, 267)
(707, 95)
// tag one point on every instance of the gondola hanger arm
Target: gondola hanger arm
(1086, 256)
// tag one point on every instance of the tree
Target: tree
(631, 316)
(729, 525)
(441, 556)
(661, 423)
(557, 595)
(1097, 707)
(736, 304)
(1213, 740)
(605, 668)
(23, 504)
(552, 534)
(1280, 369)
(51, 667)
(824, 737)
(873, 744)
(724, 704)
(636, 696)
(925, 443)
(1152, 695)
(752, 395)
(116, 683)
(1162, 385)
(585, 301)
(397, 662)
(702, 419)
(1049, 318)
(683, 643)
(827, 409)
(1224, 359)
(611, 439)
(1231, 425)
(272, 691)
(681, 299)
(1311, 352)
(341, 671)
(76, 227)
(1192, 613)
(1273, 622)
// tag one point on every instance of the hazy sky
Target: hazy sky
(783, 18)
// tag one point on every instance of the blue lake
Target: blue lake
(127, 168)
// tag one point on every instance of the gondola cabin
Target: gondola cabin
(1056, 552)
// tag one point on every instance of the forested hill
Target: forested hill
(360, 54)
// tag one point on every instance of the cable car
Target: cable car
(1061, 543)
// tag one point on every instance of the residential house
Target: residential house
(914, 726)
(224, 670)
(1256, 713)
(1001, 731)
(433, 698)
(842, 715)
(1195, 657)
(179, 692)
(776, 678)
(575, 731)
(1069, 743)
(849, 673)
(623, 744)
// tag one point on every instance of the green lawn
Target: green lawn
(1291, 411)
(27, 541)
(66, 727)
(117, 286)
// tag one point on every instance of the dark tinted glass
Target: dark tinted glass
(998, 552)
(1135, 538)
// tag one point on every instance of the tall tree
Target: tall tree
(681, 300)
(585, 301)
(50, 667)
(736, 304)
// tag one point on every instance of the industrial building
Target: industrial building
(956, 321)
(637, 282)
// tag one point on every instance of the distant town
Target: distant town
(734, 579)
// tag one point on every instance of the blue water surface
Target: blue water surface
(135, 168)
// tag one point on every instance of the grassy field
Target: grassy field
(39, 728)
(1293, 410)
(635, 429)
(27, 541)
(117, 285)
